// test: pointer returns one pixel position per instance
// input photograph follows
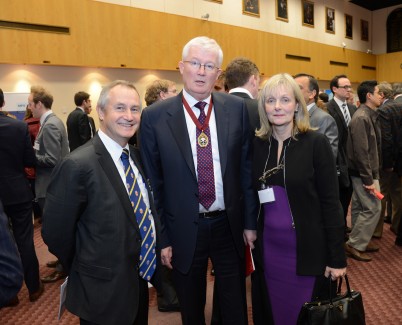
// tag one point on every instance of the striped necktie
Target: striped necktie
(142, 214)
(345, 113)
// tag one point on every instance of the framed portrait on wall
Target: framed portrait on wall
(364, 30)
(330, 20)
(348, 26)
(282, 10)
(217, 1)
(251, 7)
(308, 13)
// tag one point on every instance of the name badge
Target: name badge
(267, 195)
(36, 145)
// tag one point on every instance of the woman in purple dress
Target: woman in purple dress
(300, 240)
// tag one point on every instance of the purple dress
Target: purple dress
(287, 291)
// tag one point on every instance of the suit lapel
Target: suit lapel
(113, 175)
(340, 114)
(178, 127)
(312, 110)
(222, 128)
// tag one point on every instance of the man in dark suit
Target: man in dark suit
(78, 127)
(342, 112)
(11, 272)
(90, 218)
(199, 165)
(16, 153)
(51, 146)
(243, 80)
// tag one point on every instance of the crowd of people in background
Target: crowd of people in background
(204, 174)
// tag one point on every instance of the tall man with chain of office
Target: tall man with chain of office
(196, 151)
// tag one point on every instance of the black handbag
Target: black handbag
(342, 309)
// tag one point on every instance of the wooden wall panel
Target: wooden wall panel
(108, 35)
(389, 67)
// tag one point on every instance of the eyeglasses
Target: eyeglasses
(197, 65)
(345, 87)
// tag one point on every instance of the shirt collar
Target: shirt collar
(115, 150)
(339, 102)
(309, 106)
(240, 90)
(44, 116)
(191, 101)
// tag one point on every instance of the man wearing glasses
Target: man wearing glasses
(342, 112)
(196, 151)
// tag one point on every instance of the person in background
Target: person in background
(300, 228)
(196, 152)
(99, 218)
(51, 146)
(220, 83)
(33, 128)
(11, 271)
(324, 122)
(78, 127)
(243, 80)
(16, 153)
(160, 90)
(390, 115)
(397, 90)
(342, 112)
(88, 110)
(364, 161)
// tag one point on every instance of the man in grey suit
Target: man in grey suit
(319, 119)
(51, 146)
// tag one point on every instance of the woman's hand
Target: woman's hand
(334, 273)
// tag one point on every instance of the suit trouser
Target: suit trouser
(390, 184)
(366, 210)
(345, 194)
(214, 240)
(22, 224)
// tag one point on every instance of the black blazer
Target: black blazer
(167, 156)
(78, 129)
(16, 152)
(341, 161)
(312, 190)
(252, 109)
(89, 224)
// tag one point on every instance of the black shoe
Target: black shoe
(12, 302)
(55, 276)
(169, 308)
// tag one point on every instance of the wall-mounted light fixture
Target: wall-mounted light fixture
(343, 44)
(205, 17)
(369, 51)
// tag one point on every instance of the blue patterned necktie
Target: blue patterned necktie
(142, 214)
(205, 164)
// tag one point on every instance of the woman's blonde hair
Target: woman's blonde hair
(301, 118)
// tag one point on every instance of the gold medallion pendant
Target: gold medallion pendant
(203, 140)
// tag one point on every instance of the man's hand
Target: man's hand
(166, 257)
(249, 237)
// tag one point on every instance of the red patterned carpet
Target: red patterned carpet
(380, 282)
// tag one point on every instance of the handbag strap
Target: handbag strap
(338, 291)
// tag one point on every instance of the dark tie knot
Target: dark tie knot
(124, 154)
(343, 105)
(201, 105)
